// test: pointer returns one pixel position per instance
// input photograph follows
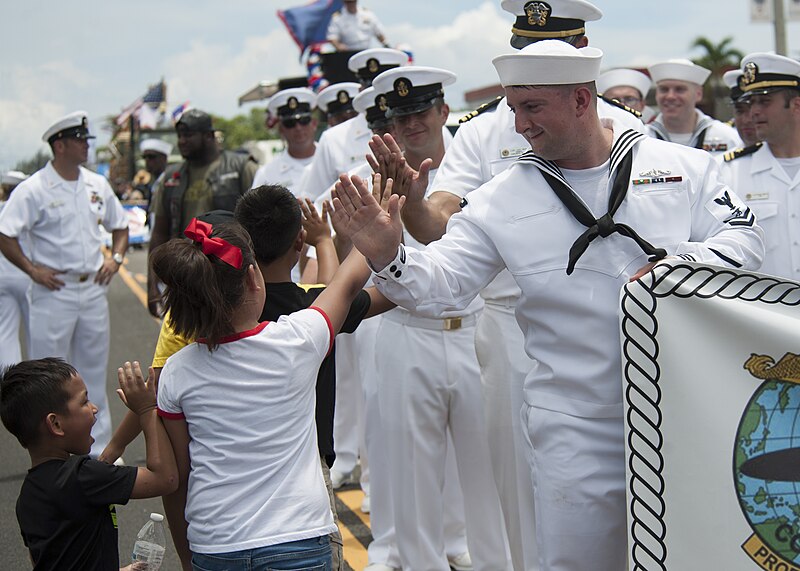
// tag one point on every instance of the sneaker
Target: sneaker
(339, 479)
(461, 562)
(365, 505)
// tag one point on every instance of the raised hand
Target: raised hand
(376, 232)
(387, 159)
(316, 226)
(137, 394)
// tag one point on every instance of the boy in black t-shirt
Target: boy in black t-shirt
(66, 508)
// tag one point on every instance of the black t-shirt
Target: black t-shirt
(284, 298)
(66, 513)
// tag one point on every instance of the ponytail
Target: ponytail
(203, 289)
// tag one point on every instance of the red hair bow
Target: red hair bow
(200, 232)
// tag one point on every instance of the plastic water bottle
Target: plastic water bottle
(150, 546)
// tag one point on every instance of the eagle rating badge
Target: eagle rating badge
(767, 463)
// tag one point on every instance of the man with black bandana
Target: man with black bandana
(484, 146)
(589, 208)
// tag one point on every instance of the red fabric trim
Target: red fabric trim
(330, 327)
(171, 415)
(241, 335)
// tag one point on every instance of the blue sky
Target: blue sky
(100, 55)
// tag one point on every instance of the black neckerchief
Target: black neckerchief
(701, 139)
(621, 161)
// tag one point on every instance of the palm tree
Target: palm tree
(719, 58)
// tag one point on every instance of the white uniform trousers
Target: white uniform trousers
(578, 467)
(13, 315)
(382, 549)
(429, 385)
(73, 323)
(504, 364)
(348, 419)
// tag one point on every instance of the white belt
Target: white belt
(442, 324)
(75, 277)
(509, 302)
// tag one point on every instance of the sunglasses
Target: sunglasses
(149, 157)
(291, 122)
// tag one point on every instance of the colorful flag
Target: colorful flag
(308, 24)
(178, 111)
(128, 111)
(155, 95)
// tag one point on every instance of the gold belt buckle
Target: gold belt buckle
(83, 277)
(452, 323)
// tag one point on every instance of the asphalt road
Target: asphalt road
(133, 337)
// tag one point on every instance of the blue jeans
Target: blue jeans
(303, 555)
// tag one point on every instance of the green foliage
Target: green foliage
(33, 164)
(242, 128)
(719, 58)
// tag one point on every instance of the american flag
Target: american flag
(155, 94)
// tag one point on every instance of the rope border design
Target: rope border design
(641, 374)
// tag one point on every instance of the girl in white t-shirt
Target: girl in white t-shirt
(238, 405)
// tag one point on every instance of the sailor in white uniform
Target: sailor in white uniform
(342, 147)
(540, 220)
(60, 208)
(679, 88)
(297, 127)
(14, 284)
(485, 144)
(627, 86)
(429, 380)
(767, 176)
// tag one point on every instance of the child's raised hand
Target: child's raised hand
(316, 226)
(138, 395)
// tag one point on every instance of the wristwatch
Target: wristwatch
(117, 257)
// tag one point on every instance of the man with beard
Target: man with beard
(208, 179)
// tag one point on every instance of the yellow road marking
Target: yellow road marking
(135, 288)
(354, 552)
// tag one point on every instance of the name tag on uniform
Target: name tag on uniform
(228, 175)
(56, 204)
(756, 196)
(512, 153)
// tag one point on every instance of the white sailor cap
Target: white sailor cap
(373, 104)
(549, 62)
(731, 79)
(619, 77)
(556, 19)
(338, 97)
(764, 72)
(680, 70)
(294, 102)
(156, 145)
(412, 89)
(73, 126)
(369, 64)
(13, 178)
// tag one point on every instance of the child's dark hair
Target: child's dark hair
(31, 390)
(271, 214)
(202, 290)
